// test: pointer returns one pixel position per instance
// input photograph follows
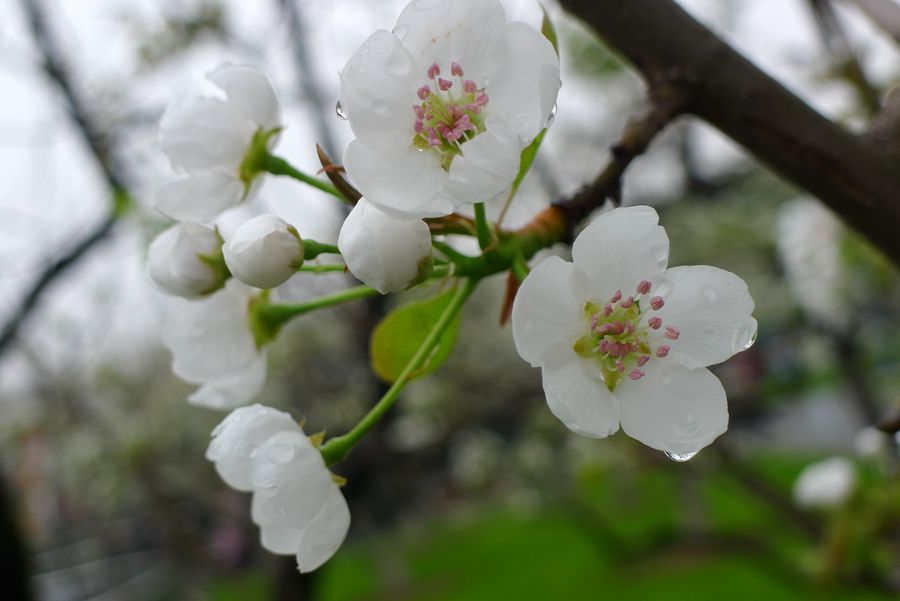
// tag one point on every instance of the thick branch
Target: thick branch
(95, 142)
(852, 174)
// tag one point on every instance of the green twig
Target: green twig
(337, 448)
(278, 166)
(482, 227)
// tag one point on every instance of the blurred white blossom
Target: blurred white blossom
(825, 484)
(185, 260)
(213, 143)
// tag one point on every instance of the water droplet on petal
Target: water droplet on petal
(681, 457)
(400, 31)
(661, 253)
(710, 294)
(552, 116)
(339, 111)
(746, 337)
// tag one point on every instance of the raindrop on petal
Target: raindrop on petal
(680, 457)
(746, 337)
(552, 116)
(339, 111)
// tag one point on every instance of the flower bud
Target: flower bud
(185, 260)
(264, 252)
(386, 253)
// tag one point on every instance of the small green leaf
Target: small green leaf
(400, 334)
(549, 30)
(527, 159)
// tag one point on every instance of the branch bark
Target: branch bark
(853, 174)
(97, 144)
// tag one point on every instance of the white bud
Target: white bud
(176, 260)
(825, 484)
(264, 252)
(382, 251)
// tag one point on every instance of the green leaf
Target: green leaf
(400, 334)
(549, 30)
(527, 159)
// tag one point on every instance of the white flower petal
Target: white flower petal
(250, 92)
(577, 395)
(199, 196)
(673, 408)
(264, 252)
(382, 251)
(378, 90)
(205, 133)
(443, 32)
(277, 539)
(236, 439)
(711, 308)
(175, 263)
(325, 533)
(403, 180)
(210, 338)
(487, 166)
(232, 390)
(620, 248)
(548, 309)
(525, 87)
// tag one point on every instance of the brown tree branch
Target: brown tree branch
(96, 142)
(853, 174)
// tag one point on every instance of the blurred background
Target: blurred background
(470, 489)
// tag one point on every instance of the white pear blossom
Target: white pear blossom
(443, 105)
(212, 143)
(183, 260)
(385, 252)
(212, 346)
(825, 484)
(807, 237)
(622, 340)
(296, 503)
(264, 252)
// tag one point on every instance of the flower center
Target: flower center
(451, 113)
(624, 335)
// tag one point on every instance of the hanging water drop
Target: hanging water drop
(339, 111)
(552, 116)
(681, 457)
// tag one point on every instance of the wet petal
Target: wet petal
(325, 533)
(205, 133)
(199, 196)
(577, 395)
(233, 390)
(711, 308)
(487, 166)
(673, 408)
(250, 92)
(547, 310)
(620, 248)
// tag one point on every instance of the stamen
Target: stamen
(642, 360)
(672, 333)
(654, 323)
(608, 309)
(636, 374)
(656, 303)
(626, 304)
(470, 87)
(433, 71)
(444, 84)
(643, 287)
(616, 297)
(662, 351)
(456, 70)
(620, 367)
(423, 93)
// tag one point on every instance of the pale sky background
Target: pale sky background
(105, 309)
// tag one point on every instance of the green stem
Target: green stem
(330, 268)
(278, 166)
(482, 227)
(270, 317)
(337, 448)
(312, 249)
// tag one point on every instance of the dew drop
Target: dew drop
(339, 111)
(710, 294)
(552, 116)
(401, 30)
(681, 457)
(746, 337)
(661, 253)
